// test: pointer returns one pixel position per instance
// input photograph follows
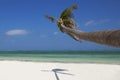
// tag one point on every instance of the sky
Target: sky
(24, 27)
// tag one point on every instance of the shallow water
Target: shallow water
(112, 57)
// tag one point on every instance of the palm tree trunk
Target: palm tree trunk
(107, 37)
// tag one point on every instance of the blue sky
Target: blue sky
(23, 26)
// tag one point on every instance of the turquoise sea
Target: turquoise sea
(110, 57)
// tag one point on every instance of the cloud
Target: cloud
(99, 22)
(16, 32)
(55, 33)
(89, 23)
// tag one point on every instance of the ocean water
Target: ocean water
(109, 57)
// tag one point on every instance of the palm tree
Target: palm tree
(66, 24)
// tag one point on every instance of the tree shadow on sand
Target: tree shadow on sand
(57, 70)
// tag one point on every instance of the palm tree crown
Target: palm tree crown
(66, 18)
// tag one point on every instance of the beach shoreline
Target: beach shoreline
(31, 61)
(22, 70)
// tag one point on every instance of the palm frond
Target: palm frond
(73, 36)
(67, 16)
(50, 18)
(67, 13)
(59, 26)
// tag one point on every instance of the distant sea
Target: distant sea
(107, 57)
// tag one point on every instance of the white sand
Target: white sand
(16, 70)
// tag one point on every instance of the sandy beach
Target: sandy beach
(18, 70)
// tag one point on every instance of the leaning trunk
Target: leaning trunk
(107, 37)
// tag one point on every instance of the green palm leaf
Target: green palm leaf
(50, 18)
(67, 13)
